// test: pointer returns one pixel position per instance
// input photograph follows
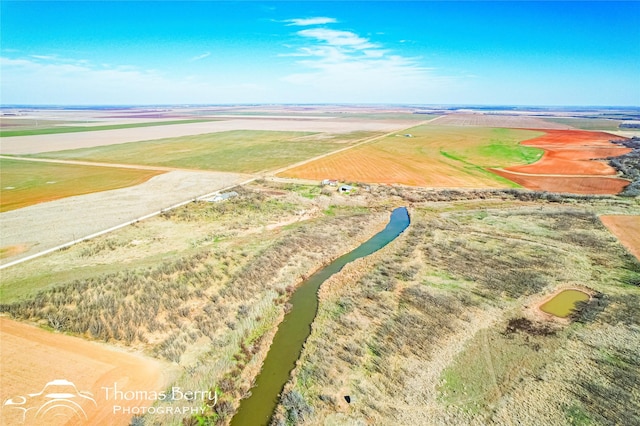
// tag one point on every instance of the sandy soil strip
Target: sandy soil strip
(32, 357)
(62, 141)
(627, 229)
(47, 225)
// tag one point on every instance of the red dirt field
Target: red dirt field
(572, 152)
(595, 185)
(569, 155)
(36, 361)
(626, 229)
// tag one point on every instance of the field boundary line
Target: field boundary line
(122, 225)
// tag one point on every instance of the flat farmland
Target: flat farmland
(494, 120)
(20, 145)
(435, 156)
(570, 154)
(43, 226)
(627, 229)
(25, 183)
(32, 357)
(570, 184)
(240, 151)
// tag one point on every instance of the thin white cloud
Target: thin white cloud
(304, 22)
(199, 57)
(345, 66)
(29, 80)
(338, 38)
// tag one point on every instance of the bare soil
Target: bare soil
(32, 357)
(626, 229)
(569, 184)
(572, 162)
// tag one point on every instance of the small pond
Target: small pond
(563, 303)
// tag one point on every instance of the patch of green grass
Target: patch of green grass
(26, 183)
(77, 129)
(306, 191)
(496, 148)
(244, 151)
(577, 416)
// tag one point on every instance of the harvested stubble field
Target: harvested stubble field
(434, 156)
(574, 153)
(27, 183)
(495, 120)
(20, 145)
(239, 151)
(39, 227)
(583, 123)
(434, 328)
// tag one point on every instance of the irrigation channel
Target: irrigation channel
(296, 327)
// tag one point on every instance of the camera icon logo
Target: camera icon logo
(58, 398)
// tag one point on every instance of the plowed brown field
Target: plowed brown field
(32, 357)
(433, 156)
(572, 184)
(627, 229)
(570, 154)
(573, 152)
(370, 164)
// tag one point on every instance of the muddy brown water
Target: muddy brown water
(296, 326)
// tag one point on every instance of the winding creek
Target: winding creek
(296, 326)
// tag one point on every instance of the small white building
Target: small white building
(345, 189)
(330, 182)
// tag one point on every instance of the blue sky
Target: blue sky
(416, 52)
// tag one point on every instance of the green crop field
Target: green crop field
(75, 129)
(25, 183)
(245, 151)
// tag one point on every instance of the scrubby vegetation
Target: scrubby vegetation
(629, 165)
(437, 323)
